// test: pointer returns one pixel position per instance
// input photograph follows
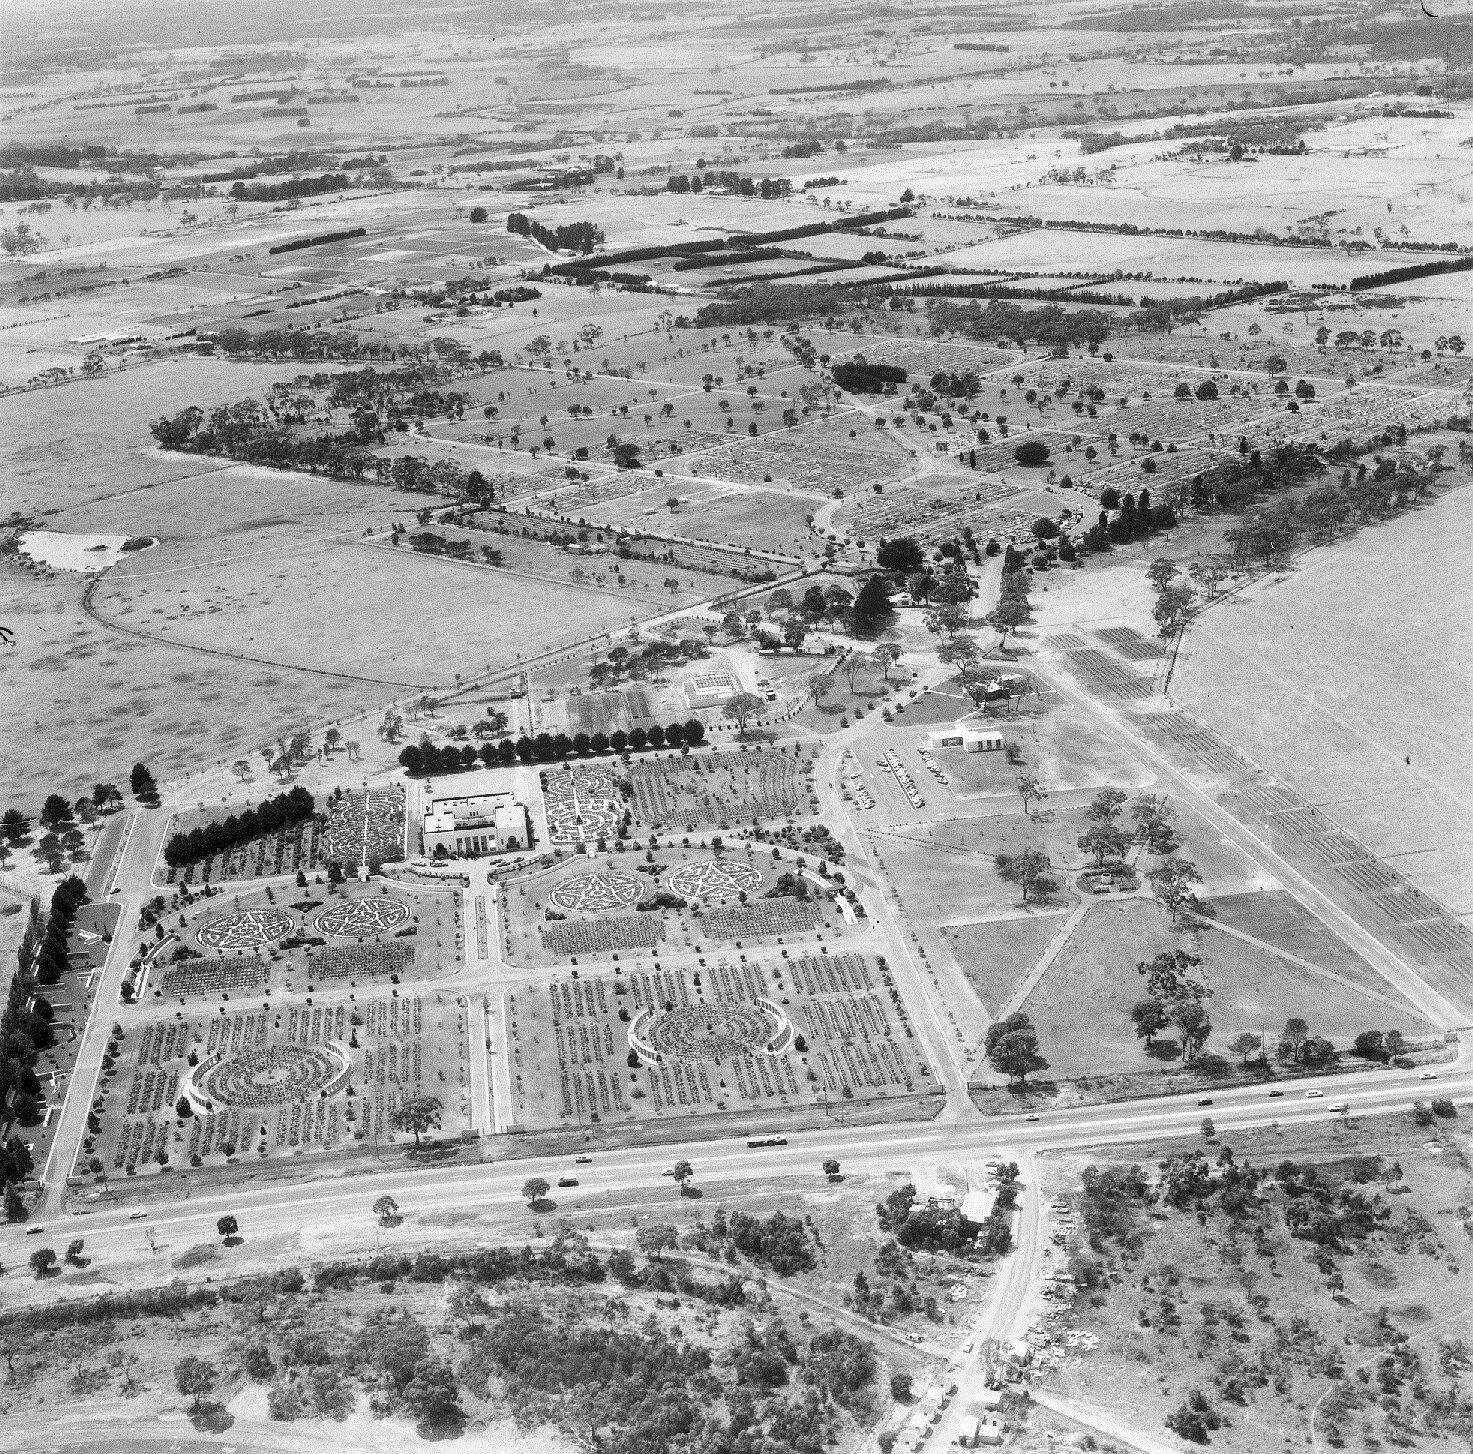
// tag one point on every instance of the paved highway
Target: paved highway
(327, 1218)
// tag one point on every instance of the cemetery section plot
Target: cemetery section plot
(357, 934)
(206, 1089)
(719, 788)
(731, 1036)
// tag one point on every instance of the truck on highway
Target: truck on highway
(756, 1141)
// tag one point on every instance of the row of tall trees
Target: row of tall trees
(209, 839)
(422, 759)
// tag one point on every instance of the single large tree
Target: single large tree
(418, 1114)
(872, 610)
(683, 1171)
(740, 709)
(1102, 841)
(1150, 1018)
(1172, 881)
(1012, 1047)
(1028, 869)
(534, 1189)
(195, 1378)
(655, 1239)
(1030, 790)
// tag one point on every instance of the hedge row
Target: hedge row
(420, 761)
(212, 838)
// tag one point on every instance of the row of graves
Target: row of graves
(365, 933)
(362, 827)
(681, 896)
(202, 1089)
(818, 1028)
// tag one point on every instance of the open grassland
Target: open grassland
(1253, 991)
(1309, 675)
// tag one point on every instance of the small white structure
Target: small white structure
(472, 824)
(710, 689)
(969, 739)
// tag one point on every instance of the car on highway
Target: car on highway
(1031, 1116)
(1273, 1095)
(35, 1231)
(583, 1161)
(668, 1171)
(137, 1216)
(567, 1181)
(1428, 1075)
(1313, 1095)
(1205, 1101)
(1341, 1107)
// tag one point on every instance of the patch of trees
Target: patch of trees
(320, 239)
(768, 188)
(213, 838)
(856, 376)
(1410, 273)
(244, 431)
(26, 1026)
(727, 259)
(1322, 1210)
(781, 1242)
(1050, 325)
(291, 189)
(928, 1228)
(567, 236)
(424, 759)
(872, 610)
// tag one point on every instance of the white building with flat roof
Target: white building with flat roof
(470, 825)
(969, 739)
